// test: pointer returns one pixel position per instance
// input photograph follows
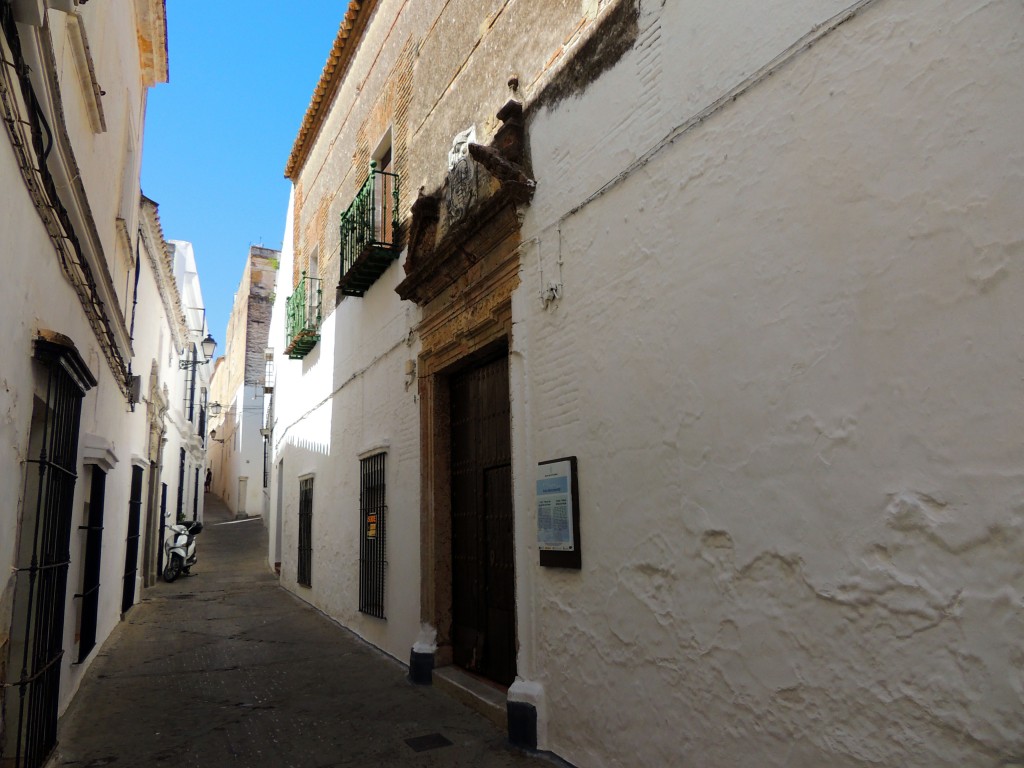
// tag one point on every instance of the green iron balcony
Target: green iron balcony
(303, 327)
(369, 233)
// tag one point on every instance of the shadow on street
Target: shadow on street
(226, 668)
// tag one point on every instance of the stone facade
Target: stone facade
(238, 383)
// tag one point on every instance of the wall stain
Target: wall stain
(616, 34)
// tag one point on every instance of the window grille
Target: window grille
(372, 539)
(163, 529)
(131, 549)
(180, 509)
(266, 462)
(305, 573)
(190, 382)
(90, 595)
(37, 631)
(202, 416)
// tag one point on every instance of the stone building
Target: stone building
(656, 362)
(237, 451)
(96, 331)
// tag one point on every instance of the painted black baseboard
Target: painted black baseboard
(522, 724)
(421, 668)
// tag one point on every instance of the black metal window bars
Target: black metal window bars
(373, 535)
(47, 510)
(305, 571)
(90, 594)
(131, 548)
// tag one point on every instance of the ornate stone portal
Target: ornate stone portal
(462, 267)
(460, 189)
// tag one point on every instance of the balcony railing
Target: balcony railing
(369, 232)
(303, 327)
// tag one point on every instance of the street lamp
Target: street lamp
(208, 345)
(215, 409)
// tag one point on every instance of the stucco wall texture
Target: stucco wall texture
(788, 358)
(36, 295)
(786, 355)
(346, 398)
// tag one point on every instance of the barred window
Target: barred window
(305, 570)
(191, 360)
(47, 512)
(372, 539)
(90, 594)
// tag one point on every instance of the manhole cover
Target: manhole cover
(430, 741)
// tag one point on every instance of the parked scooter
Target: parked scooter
(180, 549)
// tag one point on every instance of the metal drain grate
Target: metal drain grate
(430, 741)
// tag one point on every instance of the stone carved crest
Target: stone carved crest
(461, 185)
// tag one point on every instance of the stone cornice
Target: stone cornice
(151, 30)
(163, 268)
(443, 247)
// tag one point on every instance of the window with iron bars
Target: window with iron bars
(190, 381)
(305, 570)
(90, 594)
(373, 535)
(37, 630)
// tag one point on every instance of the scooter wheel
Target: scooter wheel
(173, 568)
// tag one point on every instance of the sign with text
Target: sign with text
(558, 514)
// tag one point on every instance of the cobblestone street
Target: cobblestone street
(224, 668)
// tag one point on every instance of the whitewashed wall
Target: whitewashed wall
(788, 358)
(346, 398)
(241, 453)
(183, 433)
(35, 293)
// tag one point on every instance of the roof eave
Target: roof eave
(350, 32)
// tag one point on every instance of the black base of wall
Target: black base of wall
(522, 724)
(421, 668)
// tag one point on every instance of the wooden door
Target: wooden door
(483, 572)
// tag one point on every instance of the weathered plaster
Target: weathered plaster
(38, 294)
(785, 355)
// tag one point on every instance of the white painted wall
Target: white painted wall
(241, 453)
(183, 432)
(35, 294)
(348, 397)
(788, 358)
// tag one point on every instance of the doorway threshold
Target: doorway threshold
(486, 697)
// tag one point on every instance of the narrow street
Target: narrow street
(224, 668)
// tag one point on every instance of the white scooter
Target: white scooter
(180, 549)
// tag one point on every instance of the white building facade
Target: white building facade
(753, 275)
(188, 417)
(238, 455)
(95, 330)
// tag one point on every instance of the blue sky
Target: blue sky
(218, 134)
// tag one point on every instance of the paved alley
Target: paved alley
(224, 668)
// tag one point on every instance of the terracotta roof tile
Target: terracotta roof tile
(350, 32)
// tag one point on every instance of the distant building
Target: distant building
(188, 421)
(749, 274)
(240, 475)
